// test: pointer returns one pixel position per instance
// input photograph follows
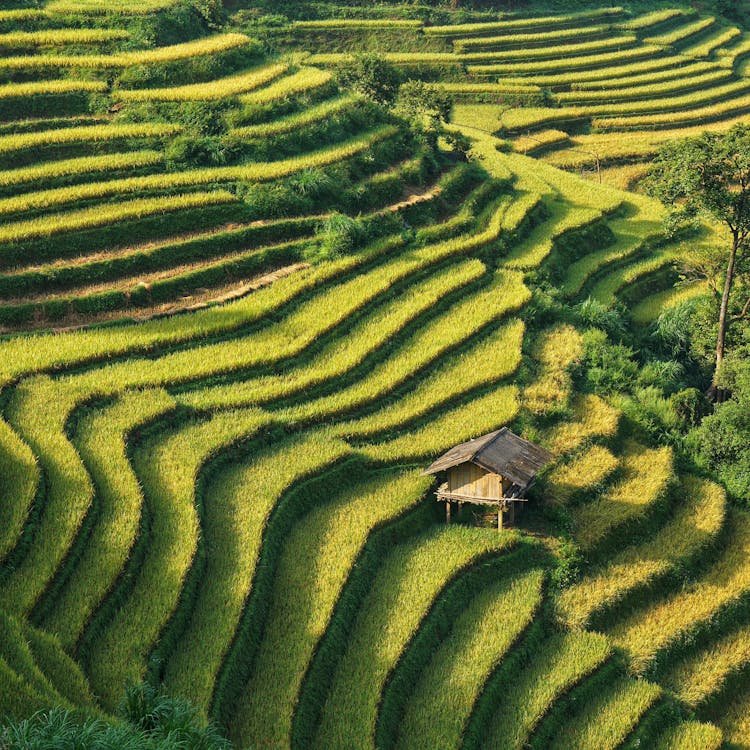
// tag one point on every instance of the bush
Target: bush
(593, 313)
(185, 152)
(609, 367)
(338, 235)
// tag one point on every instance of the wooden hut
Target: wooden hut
(493, 470)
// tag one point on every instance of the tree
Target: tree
(371, 76)
(709, 176)
(419, 100)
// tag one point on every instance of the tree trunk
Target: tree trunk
(715, 392)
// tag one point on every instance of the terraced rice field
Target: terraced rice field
(629, 81)
(228, 500)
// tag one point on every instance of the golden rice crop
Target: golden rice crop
(38, 410)
(691, 735)
(20, 479)
(546, 52)
(736, 719)
(589, 470)
(647, 476)
(532, 117)
(441, 703)
(241, 500)
(514, 40)
(97, 216)
(647, 91)
(598, 61)
(331, 538)
(102, 439)
(96, 8)
(305, 79)
(522, 23)
(592, 417)
(681, 32)
(696, 524)
(541, 242)
(207, 46)
(650, 308)
(70, 347)
(625, 245)
(655, 629)
(36, 88)
(718, 39)
(256, 172)
(397, 58)
(216, 89)
(316, 317)
(653, 18)
(93, 133)
(604, 722)
(606, 290)
(358, 23)
(495, 357)
(50, 170)
(599, 77)
(168, 467)
(21, 14)
(403, 592)
(556, 351)
(51, 37)
(676, 119)
(482, 414)
(703, 675)
(554, 668)
(423, 347)
(342, 354)
(292, 122)
(635, 76)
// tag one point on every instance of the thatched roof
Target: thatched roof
(501, 452)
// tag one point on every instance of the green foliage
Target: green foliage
(185, 152)
(609, 367)
(722, 441)
(153, 721)
(701, 175)
(690, 405)
(594, 313)
(338, 235)
(371, 76)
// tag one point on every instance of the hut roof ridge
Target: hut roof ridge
(502, 452)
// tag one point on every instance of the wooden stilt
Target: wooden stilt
(460, 510)
(512, 514)
(499, 517)
(448, 512)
